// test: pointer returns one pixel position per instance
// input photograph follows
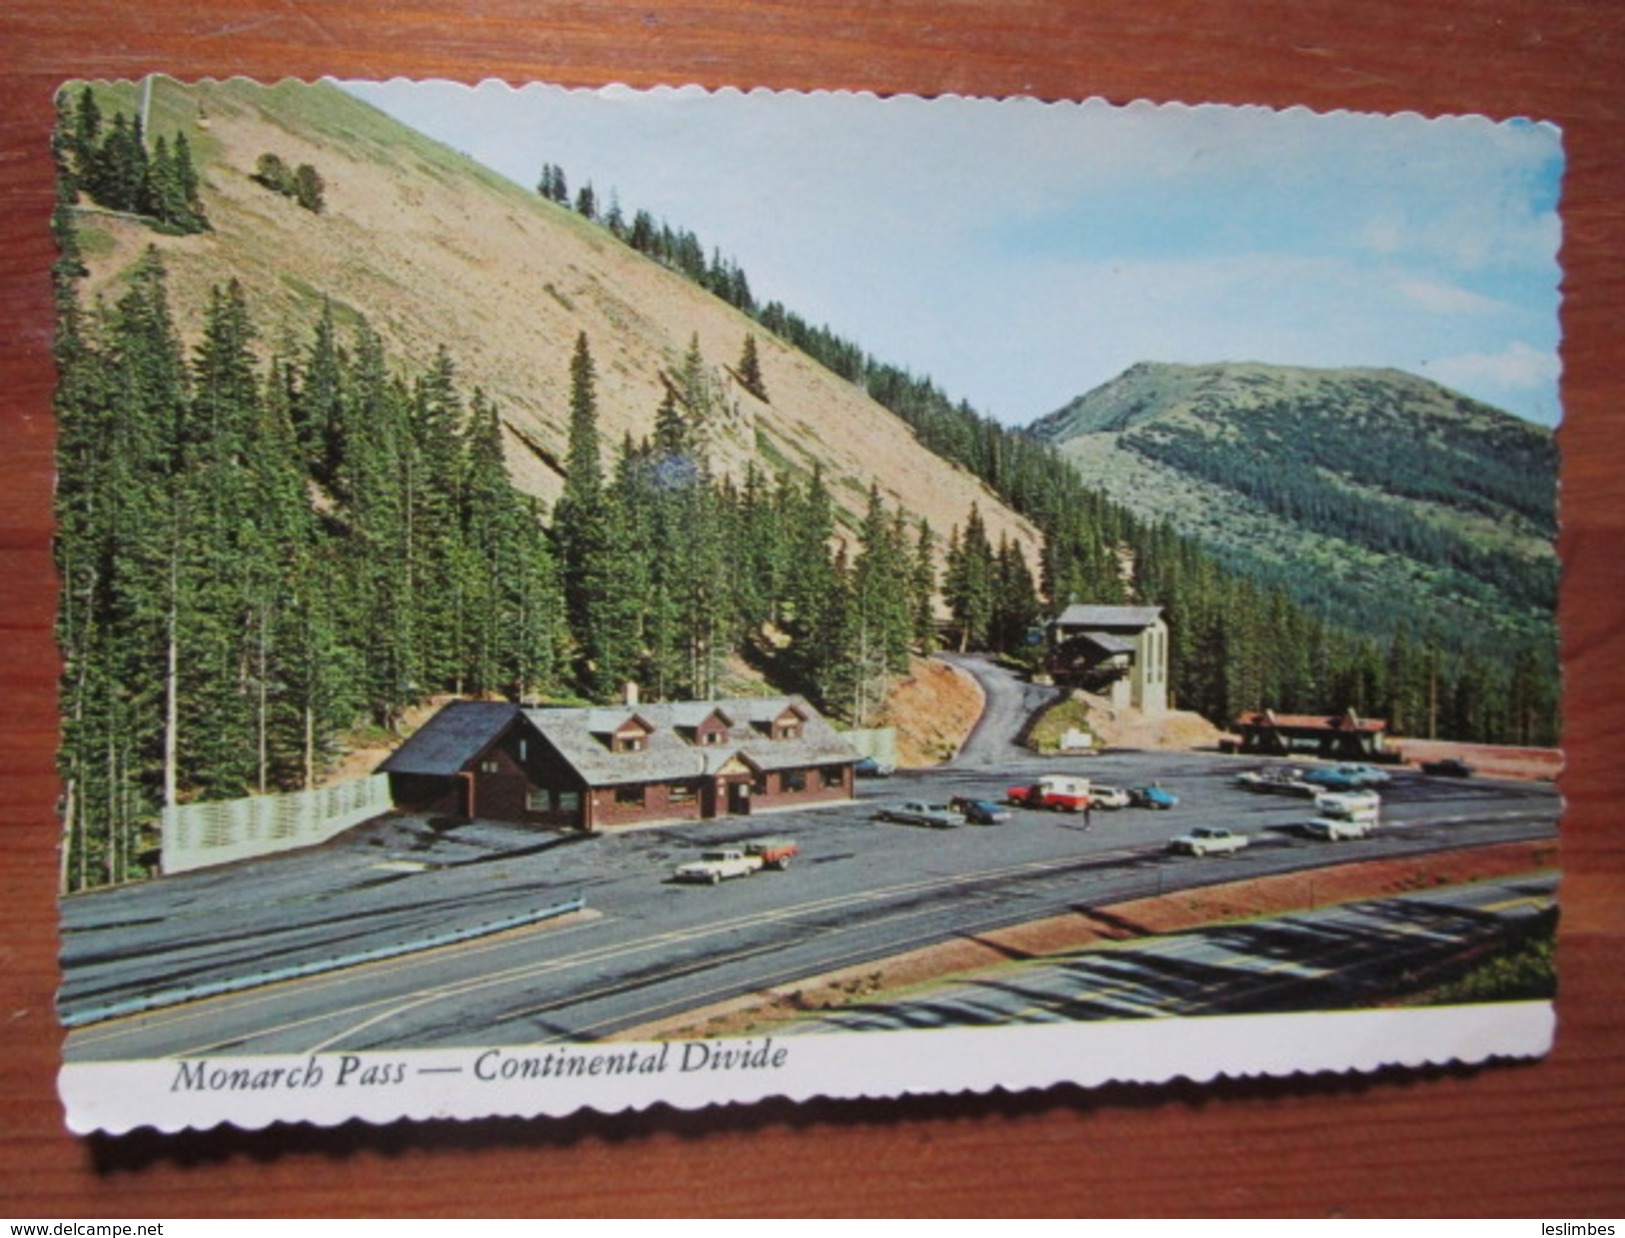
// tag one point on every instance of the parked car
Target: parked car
(1057, 792)
(1109, 797)
(918, 812)
(1208, 840)
(1331, 778)
(1277, 780)
(1449, 767)
(773, 852)
(1366, 775)
(718, 864)
(979, 812)
(1338, 829)
(872, 767)
(1152, 796)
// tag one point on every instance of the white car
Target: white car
(1208, 840)
(1338, 829)
(1108, 797)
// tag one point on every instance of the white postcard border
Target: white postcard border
(558, 1079)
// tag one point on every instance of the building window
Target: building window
(680, 793)
(794, 780)
(714, 739)
(538, 800)
(629, 796)
(832, 776)
(489, 767)
(787, 730)
(629, 743)
(567, 801)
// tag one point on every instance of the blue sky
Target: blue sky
(1022, 253)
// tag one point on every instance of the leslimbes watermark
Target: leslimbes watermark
(489, 1066)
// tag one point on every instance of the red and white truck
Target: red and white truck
(1056, 792)
(720, 863)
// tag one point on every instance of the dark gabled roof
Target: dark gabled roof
(1106, 642)
(452, 738)
(1079, 615)
(670, 754)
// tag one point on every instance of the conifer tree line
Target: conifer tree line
(1242, 638)
(106, 159)
(266, 549)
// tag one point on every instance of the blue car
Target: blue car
(1331, 779)
(979, 812)
(1151, 797)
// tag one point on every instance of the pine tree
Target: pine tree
(750, 370)
(969, 586)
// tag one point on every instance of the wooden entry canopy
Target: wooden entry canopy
(603, 767)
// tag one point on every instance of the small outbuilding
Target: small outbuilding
(603, 767)
(1119, 652)
(1338, 737)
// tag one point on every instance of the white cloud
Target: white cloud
(1021, 252)
(1447, 299)
(1517, 367)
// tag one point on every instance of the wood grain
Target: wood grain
(1545, 1139)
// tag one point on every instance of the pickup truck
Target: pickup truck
(918, 812)
(1208, 840)
(752, 856)
(717, 864)
(773, 852)
(1053, 791)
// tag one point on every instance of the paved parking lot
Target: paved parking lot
(859, 889)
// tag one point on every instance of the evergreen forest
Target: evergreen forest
(279, 539)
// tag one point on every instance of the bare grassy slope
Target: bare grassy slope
(433, 249)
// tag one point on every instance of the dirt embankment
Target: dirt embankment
(933, 709)
(1130, 728)
(1489, 760)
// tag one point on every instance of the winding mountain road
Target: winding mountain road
(1010, 701)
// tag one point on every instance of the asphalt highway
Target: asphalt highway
(1325, 958)
(646, 947)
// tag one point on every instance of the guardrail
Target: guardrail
(159, 998)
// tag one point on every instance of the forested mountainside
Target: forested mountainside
(346, 421)
(1373, 495)
(433, 251)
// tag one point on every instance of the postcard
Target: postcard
(595, 598)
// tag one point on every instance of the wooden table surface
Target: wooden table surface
(1539, 1140)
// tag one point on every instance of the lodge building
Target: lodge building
(600, 768)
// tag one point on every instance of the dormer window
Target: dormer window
(631, 741)
(787, 728)
(713, 739)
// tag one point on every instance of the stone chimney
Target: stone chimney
(629, 694)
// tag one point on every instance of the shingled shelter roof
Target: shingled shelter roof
(670, 754)
(452, 738)
(1079, 615)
